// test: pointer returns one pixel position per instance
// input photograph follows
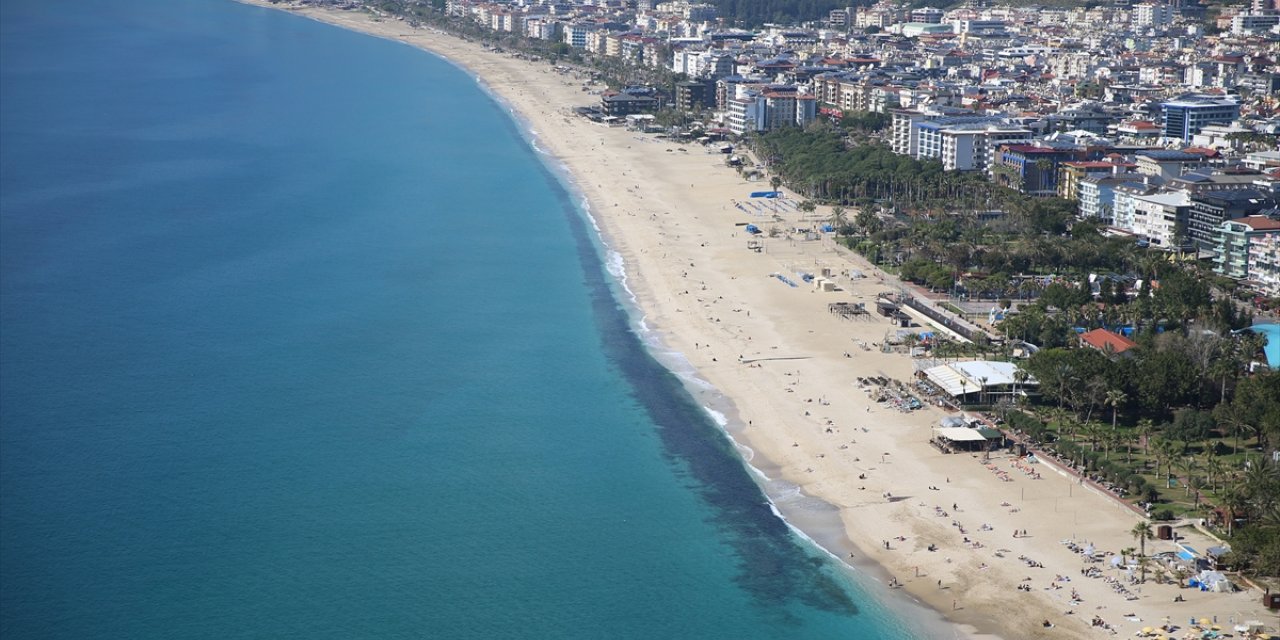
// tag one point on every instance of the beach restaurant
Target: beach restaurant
(957, 439)
(987, 378)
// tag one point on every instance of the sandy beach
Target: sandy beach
(788, 370)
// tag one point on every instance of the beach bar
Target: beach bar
(958, 439)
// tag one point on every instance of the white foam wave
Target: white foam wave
(720, 418)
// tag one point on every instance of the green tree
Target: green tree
(1255, 407)
(1116, 398)
(1232, 501)
(1142, 533)
(1188, 426)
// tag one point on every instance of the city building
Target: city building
(1167, 164)
(1098, 195)
(1162, 218)
(1210, 210)
(695, 96)
(1185, 116)
(1031, 169)
(1249, 249)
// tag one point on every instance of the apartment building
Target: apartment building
(769, 107)
(1210, 210)
(970, 147)
(1162, 218)
(1248, 248)
(1124, 198)
(1098, 196)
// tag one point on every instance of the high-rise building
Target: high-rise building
(1149, 14)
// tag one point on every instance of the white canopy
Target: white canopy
(960, 378)
(960, 434)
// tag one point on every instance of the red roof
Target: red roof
(1090, 164)
(1203, 151)
(1029, 148)
(1259, 223)
(1104, 340)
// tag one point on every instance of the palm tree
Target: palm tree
(1164, 453)
(1232, 501)
(1110, 439)
(775, 182)
(1146, 427)
(1019, 377)
(1071, 422)
(1223, 368)
(1128, 438)
(839, 219)
(1260, 481)
(1092, 431)
(1115, 398)
(1142, 533)
(1188, 466)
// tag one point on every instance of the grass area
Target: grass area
(1128, 458)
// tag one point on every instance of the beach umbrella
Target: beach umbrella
(1204, 621)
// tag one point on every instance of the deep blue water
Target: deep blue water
(298, 338)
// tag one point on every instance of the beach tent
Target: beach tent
(1214, 581)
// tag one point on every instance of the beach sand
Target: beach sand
(789, 371)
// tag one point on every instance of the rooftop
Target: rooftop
(1164, 155)
(1104, 340)
(1259, 223)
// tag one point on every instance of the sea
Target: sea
(301, 337)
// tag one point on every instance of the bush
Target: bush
(1027, 424)
(1163, 515)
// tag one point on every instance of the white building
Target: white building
(1162, 217)
(1150, 14)
(970, 147)
(765, 108)
(1248, 23)
(576, 34)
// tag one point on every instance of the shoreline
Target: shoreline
(720, 409)
(796, 343)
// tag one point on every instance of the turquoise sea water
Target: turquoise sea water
(298, 338)
(1272, 348)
